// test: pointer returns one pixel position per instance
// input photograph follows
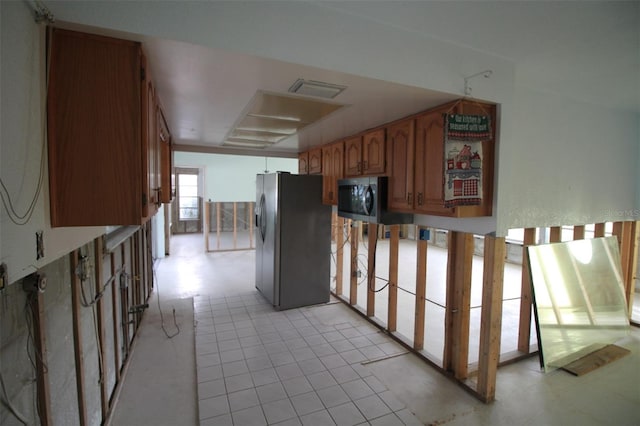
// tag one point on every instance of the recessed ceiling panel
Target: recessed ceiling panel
(273, 117)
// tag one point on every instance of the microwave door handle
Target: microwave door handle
(367, 201)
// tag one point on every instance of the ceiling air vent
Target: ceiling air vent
(316, 88)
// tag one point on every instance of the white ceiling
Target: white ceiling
(587, 50)
(204, 91)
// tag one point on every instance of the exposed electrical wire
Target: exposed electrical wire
(29, 315)
(7, 403)
(21, 219)
(157, 288)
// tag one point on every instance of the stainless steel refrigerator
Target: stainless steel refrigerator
(293, 240)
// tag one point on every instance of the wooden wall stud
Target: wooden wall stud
(421, 287)
(353, 290)
(371, 269)
(339, 254)
(458, 311)
(526, 298)
(77, 338)
(392, 313)
(491, 316)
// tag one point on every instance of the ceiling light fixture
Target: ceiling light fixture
(316, 88)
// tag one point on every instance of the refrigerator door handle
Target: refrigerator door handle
(261, 218)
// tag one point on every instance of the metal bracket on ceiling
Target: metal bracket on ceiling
(41, 13)
(467, 87)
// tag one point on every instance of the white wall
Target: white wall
(232, 177)
(566, 162)
(21, 142)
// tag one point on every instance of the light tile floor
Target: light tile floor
(237, 334)
(257, 366)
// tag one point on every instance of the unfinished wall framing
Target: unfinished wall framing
(63, 349)
(476, 324)
(232, 224)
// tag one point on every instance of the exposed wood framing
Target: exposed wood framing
(555, 234)
(578, 232)
(167, 230)
(235, 225)
(598, 230)
(421, 287)
(218, 224)
(206, 228)
(526, 299)
(334, 223)
(124, 303)
(353, 290)
(392, 312)
(339, 254)
(114, 316)
(251, 224)
(633, 257)
(137, 279)
(457, 315)
(628, 240)
(77, 338)
(371, 269)
(99, 266)
(491, 316)
(36, 300)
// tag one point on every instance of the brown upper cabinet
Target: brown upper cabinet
(417, 172)
(333, 169)
(315, 161)
(365, 155)
(166, 159)
(303, 163)
(104, 149)
(401, 143)
(310, 162)
(150, 145)
(353, 156)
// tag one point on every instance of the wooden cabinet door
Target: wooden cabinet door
(373, 153)
(353, 157)
(150, 151)
(429, 164)
(338, 167)
(332, 170)
(315, 161)
(401, 165)
(303, 163)
(166, 159)
(328, 179)
(94, 130)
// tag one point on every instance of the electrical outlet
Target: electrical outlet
(4, 276)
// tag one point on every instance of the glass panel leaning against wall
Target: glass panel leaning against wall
(579, 298)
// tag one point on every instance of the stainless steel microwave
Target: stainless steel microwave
(365, 199)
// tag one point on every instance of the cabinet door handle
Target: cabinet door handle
(419, 198)
(366, 165)
(359, 166)
(410, 198)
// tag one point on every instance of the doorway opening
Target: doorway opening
(187, 207)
